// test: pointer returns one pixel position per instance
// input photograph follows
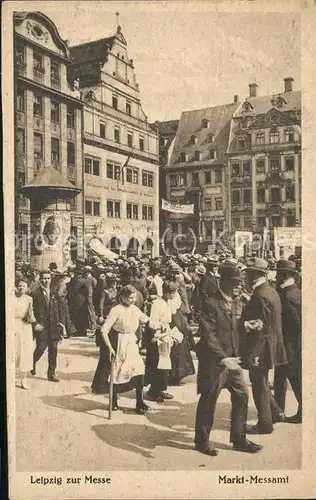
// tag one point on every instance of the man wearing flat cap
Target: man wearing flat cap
(263, 347)
(290, 295)
(219, 366)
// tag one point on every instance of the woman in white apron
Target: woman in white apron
(120, 341)
(24, 317)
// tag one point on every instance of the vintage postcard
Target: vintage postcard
(159, 214)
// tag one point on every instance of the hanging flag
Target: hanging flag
(177, 208)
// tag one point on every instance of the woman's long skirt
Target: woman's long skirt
(181, 359)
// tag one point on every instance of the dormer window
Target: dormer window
(241, 143)
(278, 102)
(183, 157)
(247, 106)
(210, 138)
(212, 154)
(205, 123)
(197, 155)
(194, 139)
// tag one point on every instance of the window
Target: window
(71, 154)
(208, 177)
(261, 221)
(205, 123)
(88, 165)
(113, 209)
(70, 117)
(55, 111)
(173, 180)
(117, 135)
(55, 151)
(184, 227)
(208, 204)
(182, 179)
(38, 105)
(131, 211)
(96, 166)
(247, 168)
(38, 146)
(275, 194)
(274, 137)
(20, 55)
(261, 195)
(102, 130)
(260, 166)
(195, 179)
(183, 157)
(92, 207)
(236, 197)
(38, 64)
(236, 223)
(132, 175)
(54, 74)
(260, 138)
(218, 204)
(247, 196)
(290, 193)
(141, 143)
(20, 100)
(241, 142)
(20, 179)
(290, 221)
(235, 169)
(197, 155)
(289, 136)
(276, 220)
(148, 213)
(128, 108)
(208, 229)
(147, 179)
(275, 164)
(218, 176)
(130, 139)
(289, 163)
(212, 154)
(247, 222)
(20, 143)
(210, 137)
(114, 101)
(194, 139)
(113, 171)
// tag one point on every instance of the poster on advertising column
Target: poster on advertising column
(287, 241)
(242, 239)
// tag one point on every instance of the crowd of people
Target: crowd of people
(148, 316)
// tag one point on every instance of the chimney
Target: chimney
(253, 90)
(288, 84)
(235, 98)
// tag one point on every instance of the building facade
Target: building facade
(265, 161)
(197, 174)
(121, 156)
(48, 122)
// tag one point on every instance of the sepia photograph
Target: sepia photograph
(154, 212)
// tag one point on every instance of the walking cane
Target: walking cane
(111, 387)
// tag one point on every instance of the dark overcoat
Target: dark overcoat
(264, 348)
(208, 286)
(219, 339)
(292, 326)
(46, 314)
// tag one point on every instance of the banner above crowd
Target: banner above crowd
(177, 208)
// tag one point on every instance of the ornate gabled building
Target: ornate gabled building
(121, 157)
(48, 127)
(265, 161)
(197, 173)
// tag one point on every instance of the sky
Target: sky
(190, 56)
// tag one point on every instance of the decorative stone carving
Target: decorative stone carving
(37, 31)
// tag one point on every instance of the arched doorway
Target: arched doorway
(147, 247)
(114, 245)
(133, 246)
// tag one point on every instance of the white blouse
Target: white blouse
(124, 319)
(160, 314)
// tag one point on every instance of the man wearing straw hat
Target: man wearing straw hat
(263, 344)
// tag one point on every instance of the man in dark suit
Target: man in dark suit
(208, 283)
(263, 347)
(217, 352)
(290, 295)
(47, 329)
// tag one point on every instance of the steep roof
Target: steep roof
(262, 104)
(167, 128)
(215, 136)
(90, 52)
(50, 178)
